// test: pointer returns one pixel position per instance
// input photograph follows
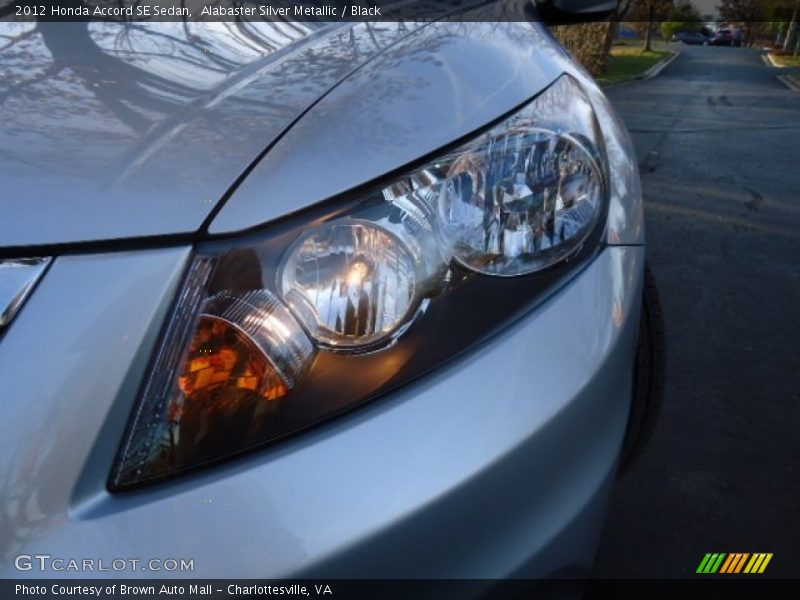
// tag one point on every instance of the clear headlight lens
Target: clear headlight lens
(520, 202)
(350, 283)
(525, 194)
(282, 329)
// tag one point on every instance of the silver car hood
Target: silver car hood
(111, 130)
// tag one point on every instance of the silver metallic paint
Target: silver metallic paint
(117, 130)
(17, 280)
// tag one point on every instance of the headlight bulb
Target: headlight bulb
(350, 282)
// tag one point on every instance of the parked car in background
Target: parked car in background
(727, 37)
(722, 37)
(694, 38)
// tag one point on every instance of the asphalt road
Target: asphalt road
(718, 142)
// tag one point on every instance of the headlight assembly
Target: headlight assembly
(281, 329)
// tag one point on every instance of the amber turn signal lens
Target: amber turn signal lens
(223, 371)
(243, 356)
(233, 367)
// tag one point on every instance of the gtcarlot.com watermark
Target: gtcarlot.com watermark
(45, 563)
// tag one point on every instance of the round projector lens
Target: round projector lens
(351, 283)
(520, 201)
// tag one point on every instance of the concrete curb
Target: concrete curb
(771, 61)
(790, 81)
(656, 69)
(653, 71)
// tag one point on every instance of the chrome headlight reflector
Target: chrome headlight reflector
(325, 310)
(526, 193)
(350, 282)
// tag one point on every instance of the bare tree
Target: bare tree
(646, 13)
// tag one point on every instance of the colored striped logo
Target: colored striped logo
(737, 562)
